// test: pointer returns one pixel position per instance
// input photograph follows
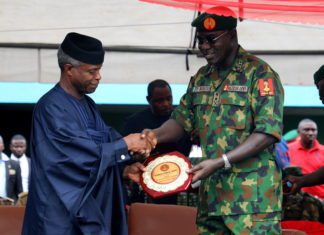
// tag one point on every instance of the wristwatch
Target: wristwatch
(227, 164)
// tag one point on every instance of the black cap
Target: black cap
(319, 75)
(218, 18)
(83, 48)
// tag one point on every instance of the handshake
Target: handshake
(141, 143)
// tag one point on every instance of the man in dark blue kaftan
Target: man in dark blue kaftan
(77, 161)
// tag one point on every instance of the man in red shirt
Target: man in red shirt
(308, 153)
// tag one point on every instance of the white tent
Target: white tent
(146, 41)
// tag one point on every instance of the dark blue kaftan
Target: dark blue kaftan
(76, 182)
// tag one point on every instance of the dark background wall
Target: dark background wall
(16, 118)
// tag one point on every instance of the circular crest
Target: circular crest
(209, 23)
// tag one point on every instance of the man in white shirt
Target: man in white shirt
(3, 158)
(10, 176)
(18, 146)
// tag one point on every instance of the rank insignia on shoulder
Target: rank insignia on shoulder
(201, 89)
(236, 88)
(266, 87)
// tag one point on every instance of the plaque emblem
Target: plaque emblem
(166, 174)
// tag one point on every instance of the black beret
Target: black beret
(83, 48)
(223, 19)
(319, 75)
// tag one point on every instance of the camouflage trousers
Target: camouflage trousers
(247, 224)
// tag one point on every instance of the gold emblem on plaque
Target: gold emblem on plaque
(165, 173)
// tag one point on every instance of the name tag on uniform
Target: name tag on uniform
(236, 88)
(12, 171)
(201, 89)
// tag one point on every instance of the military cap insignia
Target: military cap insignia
(209, 23)
(266, 87)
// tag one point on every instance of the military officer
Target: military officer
(236, 102)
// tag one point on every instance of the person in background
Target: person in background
(10, 176)
(281, 154)
(78, 162)
(299, 205)
(159, 97)
(236, 102)
(18, 147)
(308, 153)
(281, 149)
(319, 82)
(316, 177)
(308, 180)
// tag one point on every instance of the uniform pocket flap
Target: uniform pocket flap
(237, 101)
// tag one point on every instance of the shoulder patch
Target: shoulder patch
(266, 87)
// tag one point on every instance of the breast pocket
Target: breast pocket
(234, 112)
(202, 109)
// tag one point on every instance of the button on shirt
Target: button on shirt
(24, 166)
(3, 181)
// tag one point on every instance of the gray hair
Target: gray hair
(64, 59)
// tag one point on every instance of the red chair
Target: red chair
(149, 219)
(11, 219)
(308, 227)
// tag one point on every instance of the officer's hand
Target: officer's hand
(137, 144)
(204, 169)
(134, 171)
(150, 137)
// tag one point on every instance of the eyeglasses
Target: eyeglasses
(210, 39)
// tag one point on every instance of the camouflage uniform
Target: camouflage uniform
(228, 106)
(301, 206)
